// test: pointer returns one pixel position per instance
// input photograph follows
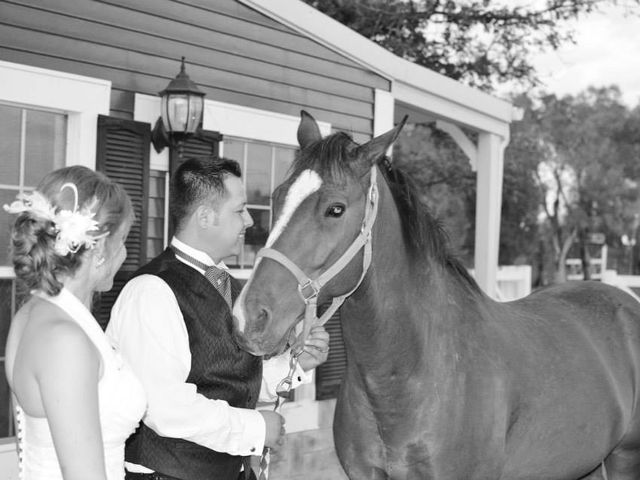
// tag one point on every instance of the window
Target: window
(156, 233)
(32, 143)
(264, 167)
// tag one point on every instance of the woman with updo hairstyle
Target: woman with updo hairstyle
(75, 400)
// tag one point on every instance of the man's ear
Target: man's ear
(205, 215)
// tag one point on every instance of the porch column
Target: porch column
(488, 210)
(382, 112)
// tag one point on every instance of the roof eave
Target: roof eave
(411, 83)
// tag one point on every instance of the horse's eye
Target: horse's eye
(335, 210)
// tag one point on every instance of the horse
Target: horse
(442, 382)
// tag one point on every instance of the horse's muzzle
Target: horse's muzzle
(244, 342)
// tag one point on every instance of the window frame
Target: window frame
(81, 98)
(244, 273)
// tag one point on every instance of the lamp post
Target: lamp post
(181, 109)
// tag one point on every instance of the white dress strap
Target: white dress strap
(81, 315)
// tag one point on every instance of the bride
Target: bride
(75, 401)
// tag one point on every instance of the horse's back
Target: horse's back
(601, 314)
(577, 373)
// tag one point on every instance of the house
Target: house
(79, 83)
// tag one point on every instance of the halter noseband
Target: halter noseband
(309, 289)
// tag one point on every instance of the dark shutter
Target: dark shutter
(123, 155)
(329, 374)
(204, 143)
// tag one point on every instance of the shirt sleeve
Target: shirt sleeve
(274, 371)
(147, 326)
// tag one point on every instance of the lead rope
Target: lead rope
(283, 392)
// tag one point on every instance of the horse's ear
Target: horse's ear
(375, 149)
(308, 130)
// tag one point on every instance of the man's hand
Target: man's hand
(275, 428)
(316, 349)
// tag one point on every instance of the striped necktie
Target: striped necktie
(221, 280)
(218, 277)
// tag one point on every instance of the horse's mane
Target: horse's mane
(423, 234)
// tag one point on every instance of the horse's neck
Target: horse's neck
(394, 308)
(403, 314)
(398, 301)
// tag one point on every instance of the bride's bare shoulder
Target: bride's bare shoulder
(42, 327)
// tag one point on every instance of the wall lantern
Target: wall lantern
(181, 108)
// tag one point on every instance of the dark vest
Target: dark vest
(219, 369)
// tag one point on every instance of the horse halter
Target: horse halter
(309, 289)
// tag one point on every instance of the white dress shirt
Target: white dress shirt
(148, 327)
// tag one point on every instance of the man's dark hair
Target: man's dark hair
(199, 180)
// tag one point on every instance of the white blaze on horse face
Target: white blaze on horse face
(307, 183)
(238, 311)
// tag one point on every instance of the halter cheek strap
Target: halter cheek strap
(309, 289)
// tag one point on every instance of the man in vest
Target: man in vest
(173, 324)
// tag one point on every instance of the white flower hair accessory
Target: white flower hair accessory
(72, 227)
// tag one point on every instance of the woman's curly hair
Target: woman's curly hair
(36, 264)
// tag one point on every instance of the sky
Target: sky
(606, 52)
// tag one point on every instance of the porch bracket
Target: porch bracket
(461, 139)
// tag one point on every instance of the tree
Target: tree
(586, 178)
(479, 42)
(442, 174)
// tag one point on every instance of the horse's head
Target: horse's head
(324, 207)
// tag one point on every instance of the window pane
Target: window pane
(258, 233)
(10, 127)
(258, 174)
(234, 149)
(256, 236)
(5, 321)
(155, 219)
(6, 298)
(44, 145)
(6, 224)
(5, 406)
(283, 160)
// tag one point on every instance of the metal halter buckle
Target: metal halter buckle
(309, 285)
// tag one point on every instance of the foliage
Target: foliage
(586, 169)
(571, 169)
(479, 42)
(442, 173)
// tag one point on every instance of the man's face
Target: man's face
(231, 220)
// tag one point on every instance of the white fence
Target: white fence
(623, 282)
(514, 282)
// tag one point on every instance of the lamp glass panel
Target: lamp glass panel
(164, 111)
(177, 112)
(196, 103)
